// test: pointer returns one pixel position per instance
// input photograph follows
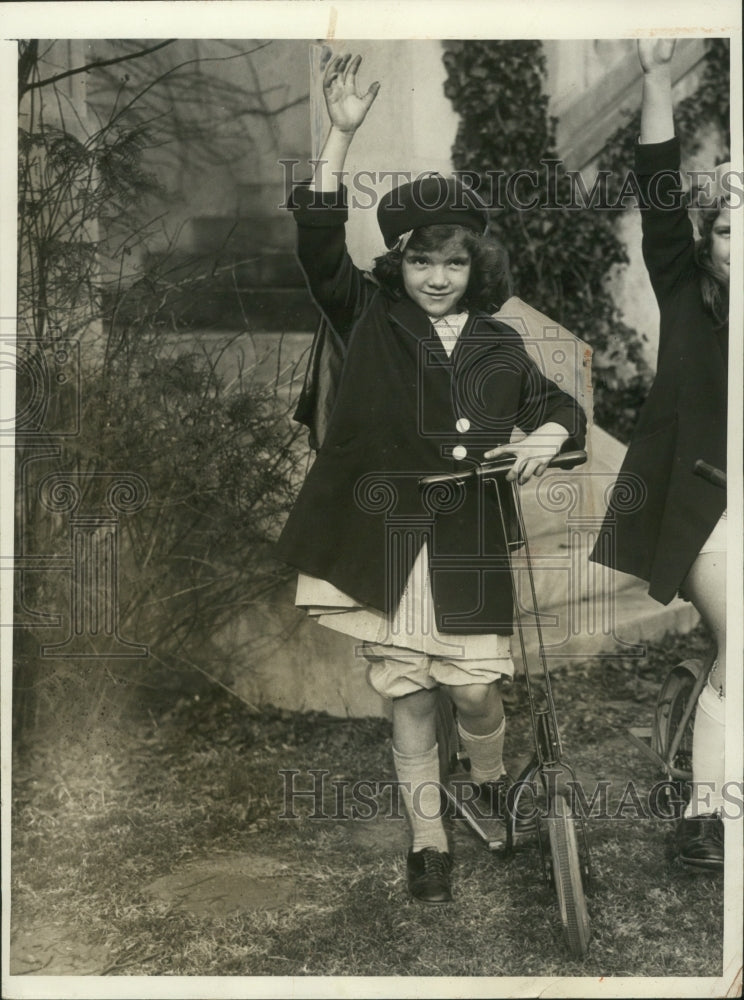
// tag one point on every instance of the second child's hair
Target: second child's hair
(490, 282)
(714, 287)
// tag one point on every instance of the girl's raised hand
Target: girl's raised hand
(347, 108)
(655, 52)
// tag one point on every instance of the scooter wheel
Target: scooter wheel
(447, 737)
(567, 875)
(670, 707)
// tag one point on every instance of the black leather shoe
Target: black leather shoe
(429, 875)
(699, 841)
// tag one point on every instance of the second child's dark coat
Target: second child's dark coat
(661, 513)
(361, 517)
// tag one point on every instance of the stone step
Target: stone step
(236, 259)
(217, 307)
(247, 236)
(263, 198)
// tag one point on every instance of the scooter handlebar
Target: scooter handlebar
(710, 472)
(563, 460)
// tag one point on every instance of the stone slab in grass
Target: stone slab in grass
(227, 884)
(53, 950)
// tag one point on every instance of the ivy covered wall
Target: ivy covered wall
(562, 255)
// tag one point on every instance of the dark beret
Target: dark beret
(432, 200)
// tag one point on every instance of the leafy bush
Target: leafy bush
(210, 442)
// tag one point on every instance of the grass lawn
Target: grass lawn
(116, 827)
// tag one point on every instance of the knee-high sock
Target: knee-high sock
(708, 744)
(418, 775)
(486, 753)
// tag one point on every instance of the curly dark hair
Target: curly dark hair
(490, 281)
(714, 286)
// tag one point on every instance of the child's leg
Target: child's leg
(481, 724)
(700, 831)
(403, 676)
(416, 759)
(708, 746)
(706, 587)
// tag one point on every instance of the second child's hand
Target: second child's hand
(654, 53)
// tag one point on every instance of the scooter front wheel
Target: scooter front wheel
(567, 875)
(448, 743)
(670, 709)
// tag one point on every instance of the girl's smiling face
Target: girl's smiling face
(436, 280)
(719, 243)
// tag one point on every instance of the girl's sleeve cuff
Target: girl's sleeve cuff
(651, 157)
(318, 208)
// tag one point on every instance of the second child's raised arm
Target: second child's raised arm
(668, 239)
(657, 122)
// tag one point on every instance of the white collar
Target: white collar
(452, 321)
(449, 329)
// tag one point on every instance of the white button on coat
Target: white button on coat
(459, 452)
(463, 425)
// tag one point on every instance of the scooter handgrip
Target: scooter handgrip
(568, 460)
(710, 472)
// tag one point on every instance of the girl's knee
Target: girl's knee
(473, 699)
(705, 587)
(419, 704)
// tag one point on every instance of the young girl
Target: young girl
(675, 536)
(430, 383)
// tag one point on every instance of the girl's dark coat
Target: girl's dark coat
(361, 517)
(661, 513)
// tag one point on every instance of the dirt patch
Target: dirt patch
(48, 950)
(228, 884)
